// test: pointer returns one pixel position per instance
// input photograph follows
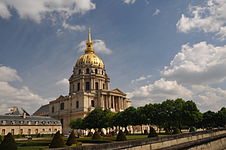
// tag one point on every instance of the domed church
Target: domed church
(89, 89)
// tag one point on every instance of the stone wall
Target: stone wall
(195, 140)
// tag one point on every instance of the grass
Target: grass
(43, 143)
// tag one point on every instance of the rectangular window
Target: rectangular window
(96, 85)
(78, 87)
(62, 106)
(29, 131)
(77, 104)
(3, 131)
(92, 103)
(52, 109)
(87, 86)
(12, 131)
(21, 131)
(62, 121)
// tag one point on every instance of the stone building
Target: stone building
(89, 88)
(20, 122)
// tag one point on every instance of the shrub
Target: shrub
(126, 132)
(71, 139)
(176, 131)
(96, 136)
(8, 143)
(0, 139)
(121, 136)
(152, 133)
(38, 135)
(57, 141)
(90, 134)
(102, 133)
(113, 133)
(145, 132)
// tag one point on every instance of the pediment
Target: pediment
(117, 91)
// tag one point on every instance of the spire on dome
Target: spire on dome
(89, 43)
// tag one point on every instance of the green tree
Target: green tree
(8, 143)
(98, 119)
(221, 117)
(57, 141)
(71, 139)
(209, 119)
(76, 124)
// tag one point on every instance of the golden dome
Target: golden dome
(89, 58)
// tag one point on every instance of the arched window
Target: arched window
(61, 106)
(12, 131)
(79, 71)
(92, 103)
(96, 71)
(103, 86)
(96, 85)
(87, 70)
(3, 131)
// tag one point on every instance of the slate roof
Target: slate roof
(44, 108)
(15, 120)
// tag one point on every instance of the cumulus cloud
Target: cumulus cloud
(73, 27)
(98, 45)
(210, 17)
(37, 10)
(158, 91)
(8, 74)
(129, 1)
(142, 78)
(157, 12)
(200, 63)
(11, 96)
(189, 76)
(64, 82)
(208, 98)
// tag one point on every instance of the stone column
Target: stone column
(113, 101)
(83, 85)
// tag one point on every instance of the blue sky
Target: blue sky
(152, 49)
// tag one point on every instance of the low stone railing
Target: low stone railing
(179, 141)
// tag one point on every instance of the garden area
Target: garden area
(167, 118)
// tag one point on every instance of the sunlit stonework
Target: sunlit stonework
(89, 89)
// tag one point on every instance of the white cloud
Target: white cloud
(37, 10)
(208, 18)
(208, 98)
(73, 27)
(11, 96)
(158, 91)
(129, 1)
(8, 74)
(63, 82)
(142, 78)
(201, 63)
(98, 45)
(157, 12)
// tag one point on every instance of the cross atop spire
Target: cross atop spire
(89, 43)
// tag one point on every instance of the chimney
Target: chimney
(24, 115)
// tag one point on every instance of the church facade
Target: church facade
(89, 88)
